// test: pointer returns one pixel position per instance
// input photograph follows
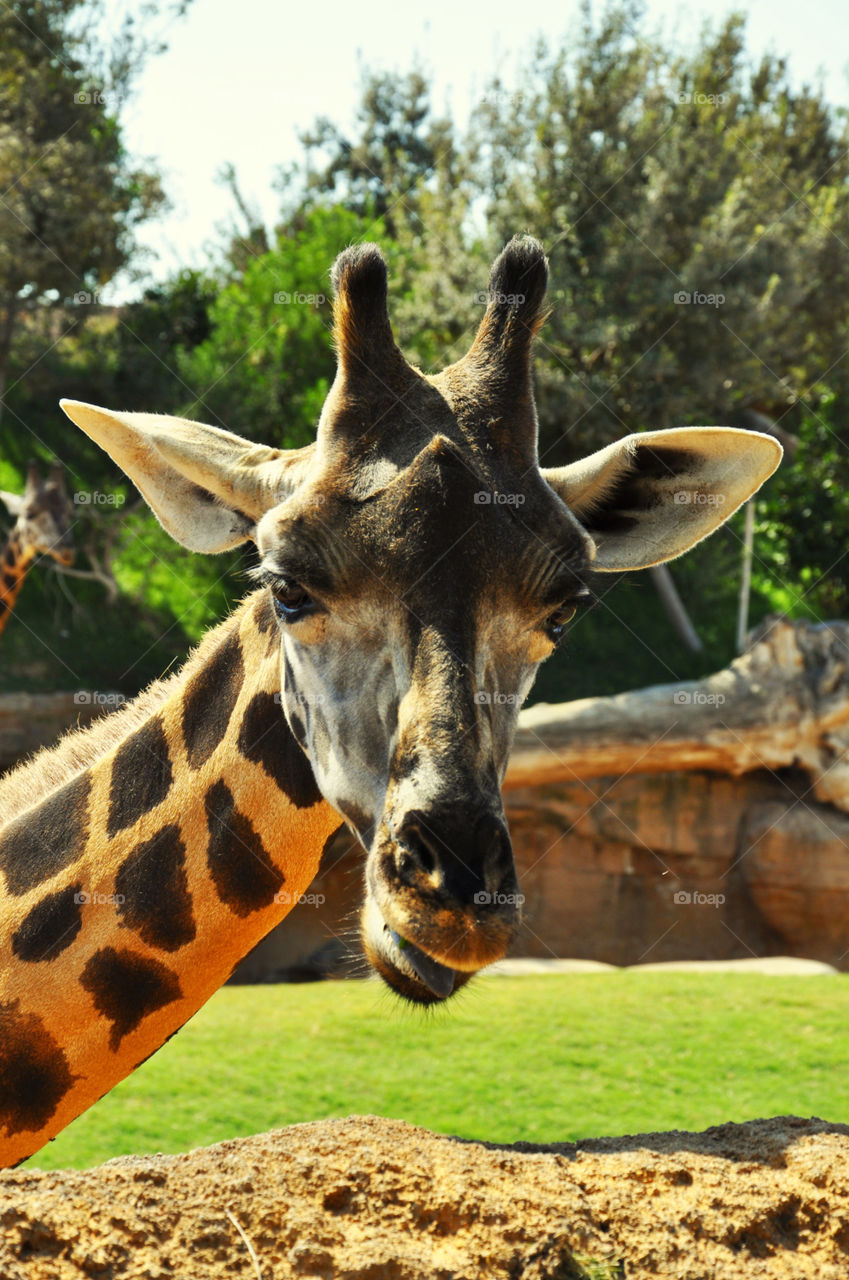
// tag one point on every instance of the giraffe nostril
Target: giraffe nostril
(452, 853)
(417, 853)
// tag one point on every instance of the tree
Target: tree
(71, 198)
(693, 210)
(397, 146)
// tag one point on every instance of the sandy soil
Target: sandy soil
(372, 1199)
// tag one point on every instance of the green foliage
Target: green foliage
(197, 590)
(144, 349)
(565, 1058)
(624, 640)
(805, 521)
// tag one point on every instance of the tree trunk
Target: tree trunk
(674, 606)
(745, 578)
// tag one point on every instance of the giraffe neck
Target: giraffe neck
(14, 568)
(133, 886)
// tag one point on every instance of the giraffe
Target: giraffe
(415, 566)
(44, 519)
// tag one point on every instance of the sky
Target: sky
(241, 78)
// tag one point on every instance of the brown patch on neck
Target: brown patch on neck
(34, 1072)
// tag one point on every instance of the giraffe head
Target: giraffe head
(44, 515)
(421, 567)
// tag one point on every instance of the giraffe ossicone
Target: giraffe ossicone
(415, 566)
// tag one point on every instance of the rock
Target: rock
(797, 871)
(372, 1199)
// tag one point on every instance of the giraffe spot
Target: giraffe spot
(265, 619)
(49, 927)
(266, 739)
(3, 606)
(242, 871)
(127, 987)
(10, 580)
(298, 727)
(11, 555)
(267, 623)
(34, 1072)
(44, 840)
(155, 889)
(209, 700)
(141, 776)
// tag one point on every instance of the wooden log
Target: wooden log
(784, 702)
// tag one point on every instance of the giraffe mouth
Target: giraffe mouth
(437, 977)
(405, 967)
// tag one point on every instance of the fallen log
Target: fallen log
(783, 703)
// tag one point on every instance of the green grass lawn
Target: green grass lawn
(544, 1059)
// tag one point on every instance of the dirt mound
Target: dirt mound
(376, 1199)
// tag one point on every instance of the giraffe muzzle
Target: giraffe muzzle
(437, 977)
(442, 901)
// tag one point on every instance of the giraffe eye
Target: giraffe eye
(291, 601)
(557, 622)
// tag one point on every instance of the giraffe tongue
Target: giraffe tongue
(437, 977)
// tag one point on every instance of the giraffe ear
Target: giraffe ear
(13, 502)
(207, 487)
(650, 497)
